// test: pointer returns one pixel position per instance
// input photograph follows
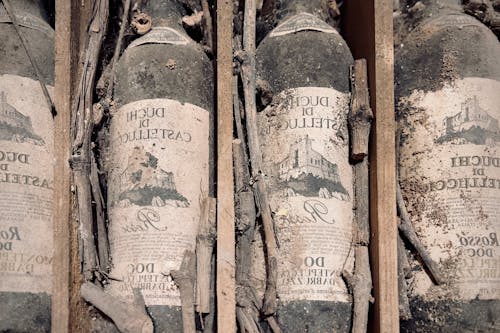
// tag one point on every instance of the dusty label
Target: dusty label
(450, 174)
(304, 140)
(300, 22)
(26, 186)
(157, 174)
(161, 35)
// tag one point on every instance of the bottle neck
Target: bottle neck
(293, 7)
(164, 13)
(435, 8)
(33, 7)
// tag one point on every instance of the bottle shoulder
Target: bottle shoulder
(443, 49)
(14, 58)
(179, 72)
(304, 58)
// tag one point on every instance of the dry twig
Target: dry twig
(102, 235)
(81, 131)
(183, 277)
(360, 284)
(207, 31)
(205, 242)
(406, 228)
(261, 195)
(359, 121)
(404, 304)
(128, 318)
(106, 101)
(247, 313)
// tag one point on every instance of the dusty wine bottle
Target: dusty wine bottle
(160, 160)
(305, 150)
(448, 109)
(26, 176)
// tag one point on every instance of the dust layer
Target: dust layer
(25, 312)
(315, 317)
(453, 316)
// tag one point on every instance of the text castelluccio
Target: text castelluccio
(10, 159)
(312, 110)
(478, 165)
(144, 128)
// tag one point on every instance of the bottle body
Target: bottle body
(26, 172)
(447, 110)
(304, 142)
(159, 166)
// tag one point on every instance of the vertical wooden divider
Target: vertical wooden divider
(70, 26)
(65, 46)
(368, 29)
(226, 285)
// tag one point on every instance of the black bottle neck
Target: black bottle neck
(294, 7)
(435, 8)
(164, 13)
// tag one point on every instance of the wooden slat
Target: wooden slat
(68, 312)
(226, 298)
(369, 32)
(65, 56)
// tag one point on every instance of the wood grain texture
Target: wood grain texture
(368, 30)
(69, 313)
(226, 296)
(66, 53)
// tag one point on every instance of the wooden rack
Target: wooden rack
(368, 30)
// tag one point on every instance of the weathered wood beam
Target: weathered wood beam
(226, 295)
(66, 61)
(368, 29)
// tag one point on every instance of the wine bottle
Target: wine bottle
(304, 63)
(160, 160)
(26, 170)
(447, 93)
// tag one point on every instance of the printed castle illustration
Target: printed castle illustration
(14, 126)
(135, 179)
(303, 159)
(472, 124)
(144, 183)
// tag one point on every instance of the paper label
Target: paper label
(305, 147)
(26, 186)
(157, 174)
(161, 35)
(300, 22)
(450, 176)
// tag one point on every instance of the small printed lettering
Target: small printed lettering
(10, 156)
(15, 178)
(311, 276)
(145, 113)
(10, 234)
(156, 134)
(299, 123)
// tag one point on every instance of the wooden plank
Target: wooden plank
(65, 57)
(369, 32)
(226, 297)
(69, 314)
